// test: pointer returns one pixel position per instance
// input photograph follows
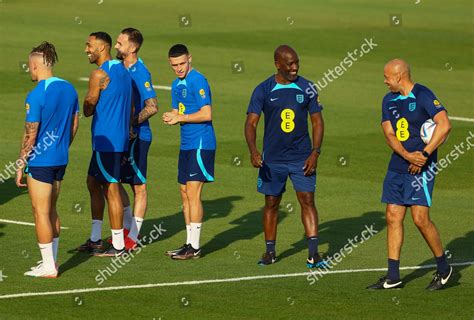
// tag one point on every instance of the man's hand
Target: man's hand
(19, 179)
(131, 135)
(412, 169)
(170, 118)
(416, 158)
(256, 159)
(311, 164)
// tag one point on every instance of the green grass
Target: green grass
(433, 33)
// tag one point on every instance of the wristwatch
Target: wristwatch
(318, 150)
(425, 154)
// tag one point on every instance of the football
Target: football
(426, 130)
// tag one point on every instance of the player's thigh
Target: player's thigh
(395, 213)
(194, 189)
(106, 166)
(272, 179)
(135, 165)
(40, 195)
(301, 183)
(418, 189)
(420, 215)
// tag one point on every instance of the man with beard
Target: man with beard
(109, 100)
(134, 169)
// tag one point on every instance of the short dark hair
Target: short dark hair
(50, 57)
(104, 36)
(177, 51)
(135, 36)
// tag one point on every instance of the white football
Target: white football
(426, 131)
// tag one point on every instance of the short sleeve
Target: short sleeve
(76, 107)
(385, 111)
(174, 100)
(33, 109)
(202, 92)
(430, 103)
(256, 101)
(145, 87)
(314, 105)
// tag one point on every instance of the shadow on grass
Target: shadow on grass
(457, 251)
(9, 191)
(336, 233)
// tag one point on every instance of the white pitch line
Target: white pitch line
(461, 119)
(154, 86)
(23, 223)
(197, 282)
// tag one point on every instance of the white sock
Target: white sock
(135, 230)
(127, 217)
(188, 234)
(195, 234)
(96, 233)
(46, 250)
(55, 248)
(117, 239)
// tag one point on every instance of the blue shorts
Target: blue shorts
(272, 178)
(46, 174)
(105, 166)
(406, 190)
(196, 165)
(135, 167)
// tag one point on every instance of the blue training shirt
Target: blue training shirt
(53, 103)
(188, 96)
(286, 108)
(406, 115)
(142, 91)
(111, 122)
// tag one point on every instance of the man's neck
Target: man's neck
(406, 88)
(100, 61)
(46, 74)
(130, 60)
(281, 80)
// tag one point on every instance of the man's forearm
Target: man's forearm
(149, 110)
(251, 137)
(28, 142)
(89, 108)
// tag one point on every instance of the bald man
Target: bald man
(404, 110)
(286, 99)
(51, 123)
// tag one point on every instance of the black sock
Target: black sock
(313, 247)
(270, 245)
(442, 264)
(393, 270)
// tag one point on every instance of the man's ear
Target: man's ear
(190, 59)
(277, 65)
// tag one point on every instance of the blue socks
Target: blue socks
(442, 264)
(312, 247)
(270, 245)
(393, 270)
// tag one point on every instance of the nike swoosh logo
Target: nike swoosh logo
(389, 286)
(193, 174)
(443, 281)
(390, 108)
(414, 199)
(273, 99)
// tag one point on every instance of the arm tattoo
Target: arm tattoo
(29, 139)
(150, 109)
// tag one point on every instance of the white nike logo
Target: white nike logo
(273, 99)
(389, 286)
(193, 174)
(414, 199)
(444, 280)
(390, 108)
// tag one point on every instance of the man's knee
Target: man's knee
(306, 200)
(272, 203)
(393, 217)
(421, 221)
